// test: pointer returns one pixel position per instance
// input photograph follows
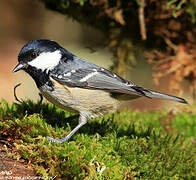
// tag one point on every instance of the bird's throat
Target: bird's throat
(40, 77)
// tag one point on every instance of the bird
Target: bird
(77, 85)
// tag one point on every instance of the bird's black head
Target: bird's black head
(38, 57)
(41, 54)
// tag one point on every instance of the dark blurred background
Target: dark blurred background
(25, 20)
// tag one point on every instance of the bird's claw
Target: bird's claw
(53, 140)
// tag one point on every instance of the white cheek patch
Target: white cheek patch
(46, 61)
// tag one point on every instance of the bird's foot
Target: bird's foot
(57, 140)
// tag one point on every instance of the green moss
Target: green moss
(127, 144)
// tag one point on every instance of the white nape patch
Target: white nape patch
(88, 76)
(46, 61)
(73, 70)
(114, 75)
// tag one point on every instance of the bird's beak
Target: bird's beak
(19, 67)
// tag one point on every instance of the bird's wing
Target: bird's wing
(97, 78)
(100, 78)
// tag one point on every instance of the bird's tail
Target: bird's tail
(154, 94)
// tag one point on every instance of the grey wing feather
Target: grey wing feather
(105, 80)
(100, 79)
(113, 84)
(154, 94)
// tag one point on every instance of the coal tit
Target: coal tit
(77, 85)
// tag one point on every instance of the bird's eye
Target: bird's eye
(33, 55)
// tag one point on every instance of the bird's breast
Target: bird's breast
(96, 102)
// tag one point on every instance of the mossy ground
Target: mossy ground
(124, 145)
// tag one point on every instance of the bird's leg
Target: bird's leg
(82, 121)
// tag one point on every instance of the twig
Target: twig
(142, 19)
(171, 44)
(16, 98)
(41, 98)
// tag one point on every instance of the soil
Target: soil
(13, 169)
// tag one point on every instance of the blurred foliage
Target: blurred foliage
(125, 145)
(166, 29)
